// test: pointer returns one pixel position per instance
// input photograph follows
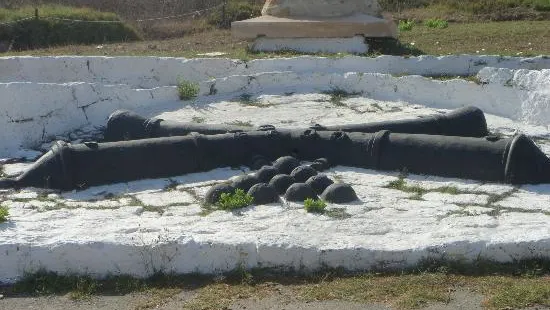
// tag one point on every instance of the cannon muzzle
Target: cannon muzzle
(514, 160)
(467, 122)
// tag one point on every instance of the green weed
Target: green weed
(239, 199)
(187, 90)
(406, 25)
(315, 205)
(436, 23)
(4, 213)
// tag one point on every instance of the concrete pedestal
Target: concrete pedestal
(354, 45)
(314, 27)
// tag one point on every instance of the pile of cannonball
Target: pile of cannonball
(288, 177)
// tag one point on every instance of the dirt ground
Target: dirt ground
(460, 299)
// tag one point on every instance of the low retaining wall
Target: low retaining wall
(32, 113)
(149, 72)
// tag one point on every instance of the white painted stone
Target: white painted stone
(526, 200)
(11, 170)
(151, 72)
(25, 194)
(159, 199)
(354, 45)
(456, 199)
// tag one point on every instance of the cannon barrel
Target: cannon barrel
(514, 160)
(466, 122)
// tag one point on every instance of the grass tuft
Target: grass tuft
(315, 206)
(338, 95)
(187, 90)
(237, 200)
(406, 25)
(436, 23)
(4, 213)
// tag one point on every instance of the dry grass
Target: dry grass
(490, 38)
(497, 38)
(401, 292)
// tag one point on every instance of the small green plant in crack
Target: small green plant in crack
(236, 200)
(418, 191)
(198, 119)
(241, 123)
(338, 95)
(157, 209)
(401, 185)
(247, 99)
(337, 213)
(4, 213)
(187, 90)
(315, 206)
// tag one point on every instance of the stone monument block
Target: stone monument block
(315, 25)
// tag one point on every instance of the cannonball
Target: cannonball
(263, 194)
(245, 182)
(215, 192)
(281, 182)
(298, 192)
(266, 173)
(322, 163)
(319, 182)
(286, 164)
(339, 193)
(258, 162)
(302, 173)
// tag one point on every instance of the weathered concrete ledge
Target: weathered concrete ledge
(150, 72)
(314, 27)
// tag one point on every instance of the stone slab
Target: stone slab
(314, 27)
(355, 45)
(326, 8)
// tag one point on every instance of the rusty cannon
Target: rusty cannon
(466, 122)
(515, 160)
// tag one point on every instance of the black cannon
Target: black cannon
(467, 122)
(514, 160)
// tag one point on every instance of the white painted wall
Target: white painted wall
(149, 72)
(31, 113)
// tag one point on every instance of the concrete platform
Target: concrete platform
(314, 27)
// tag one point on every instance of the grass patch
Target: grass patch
(52, 27)
(491, 38)
(241, 123)
(198, 120)
(418, 191)
(338, 95)
(4, 213)
(497, 38)
(248, 100)
(436, 23)
(237, 200)
(503, 285)
(337, 213)
(315, 206)
(187, 90)
(406, 25)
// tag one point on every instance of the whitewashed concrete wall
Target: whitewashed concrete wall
(31, 113)
(149, 72)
